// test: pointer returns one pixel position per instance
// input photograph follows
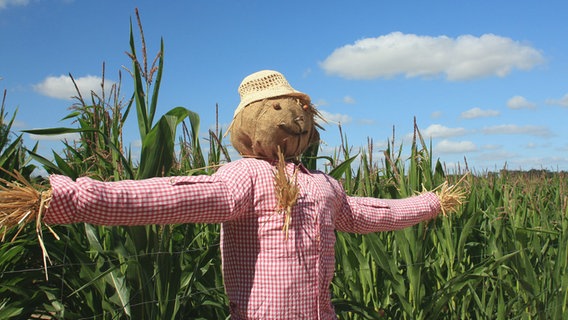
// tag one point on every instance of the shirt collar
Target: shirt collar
(296, 163)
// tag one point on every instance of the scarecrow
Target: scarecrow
(278, 218)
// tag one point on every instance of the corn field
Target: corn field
(504, 255)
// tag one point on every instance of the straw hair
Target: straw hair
(451, 197)
(21, 203)
(287, 190)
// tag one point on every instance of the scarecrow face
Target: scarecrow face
(263, 126)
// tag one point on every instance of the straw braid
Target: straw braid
(287, 191)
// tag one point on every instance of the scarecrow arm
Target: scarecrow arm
(365, 215)
(171, 200)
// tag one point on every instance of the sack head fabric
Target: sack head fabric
(264, 127)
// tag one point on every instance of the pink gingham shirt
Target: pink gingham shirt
(266, 276)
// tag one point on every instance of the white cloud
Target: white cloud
(136, 144)
(519, 102)
(348, 100)
(498, 155)
(18, 124)
(367, 122)
(436, 114)
(447, 146)
(492, 146)
(514, 129)
(5, 3)
(335, 117)
(478, 113)
(62, 87)
(536, 162)
(563, 102)
(321, 103)
(440, 131)
(57, 137)
(465, 57)
(381, 145)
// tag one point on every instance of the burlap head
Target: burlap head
(272, 115)
(282, 124)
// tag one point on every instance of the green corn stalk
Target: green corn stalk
(13, 153)
(146, 272)
(99, 149)
(504, 256)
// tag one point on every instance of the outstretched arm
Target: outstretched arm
(365, 215)
(169, 200)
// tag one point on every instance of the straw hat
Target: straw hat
(263, 85)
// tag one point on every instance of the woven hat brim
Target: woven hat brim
(280, 92)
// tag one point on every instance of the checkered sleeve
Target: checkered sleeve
(167, 200)
(365, 215)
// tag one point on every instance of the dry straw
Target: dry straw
(287, 190)
(20, 204)
(452, 196)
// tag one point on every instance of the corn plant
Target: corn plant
(504, 255)
(18, 294)
(13, 153)
(146, 272)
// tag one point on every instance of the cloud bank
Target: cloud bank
(440, 131)
(478, 113)
(462, 58)
(62, 87)
(447, 146)
(335, 118)
(519, 102)
(56, 137)
(538, 131)
(563, 102)
(6, 3)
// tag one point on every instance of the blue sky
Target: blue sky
(486, 80)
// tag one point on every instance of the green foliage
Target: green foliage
(503, 256)
(149, 272)
(157, 156)
(13, 154)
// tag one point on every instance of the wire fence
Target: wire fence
(217, 245)
(65, 264)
